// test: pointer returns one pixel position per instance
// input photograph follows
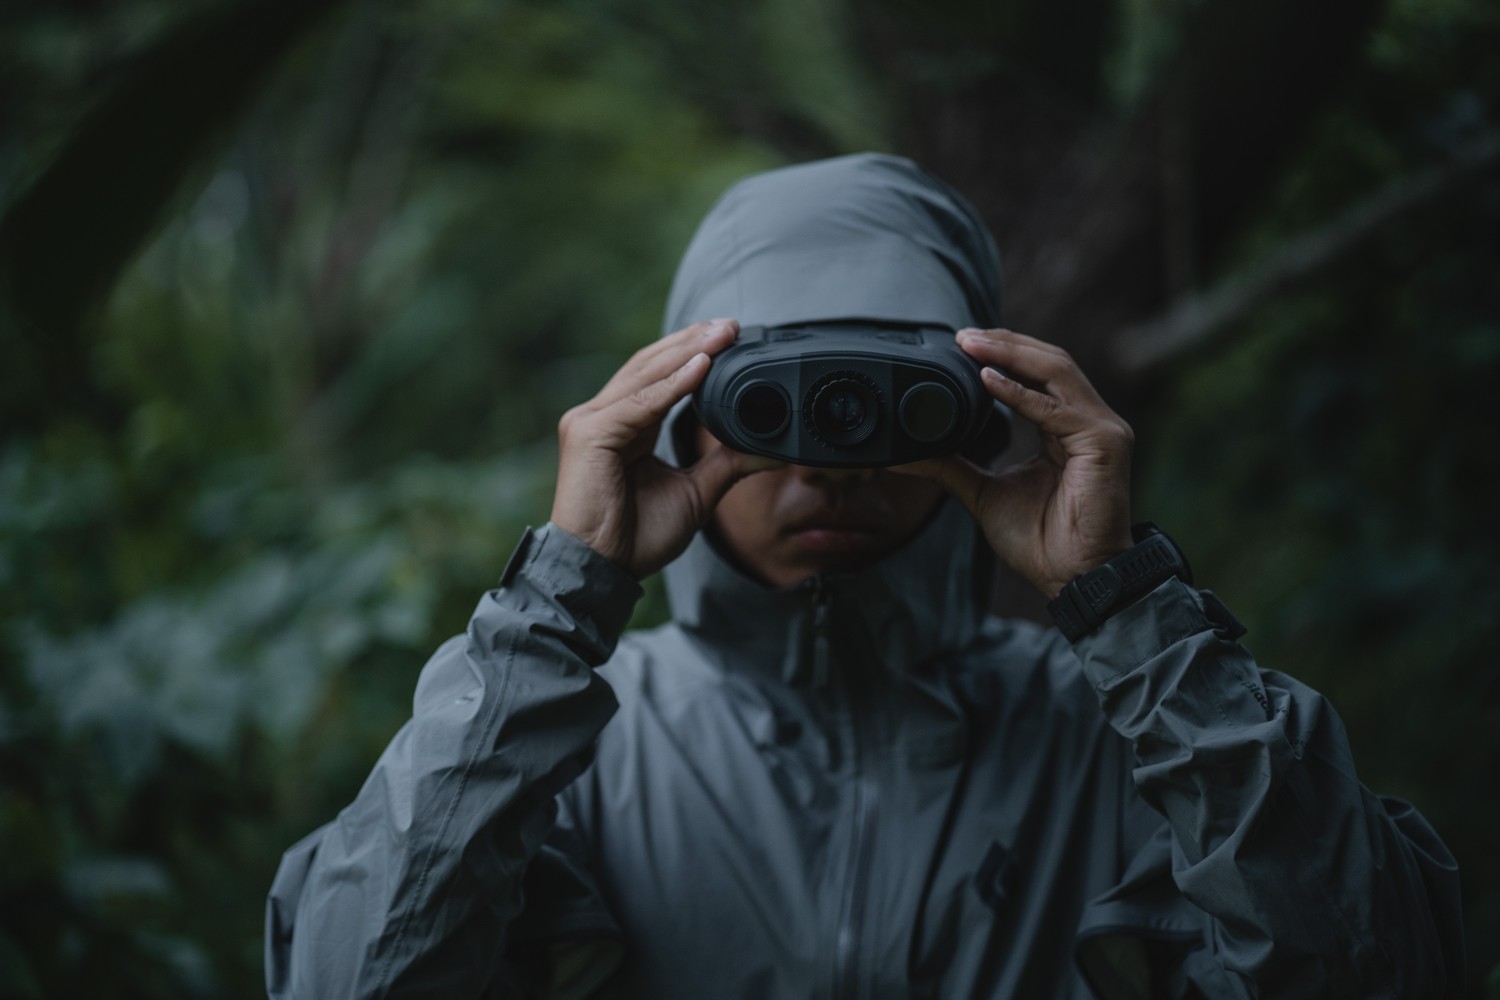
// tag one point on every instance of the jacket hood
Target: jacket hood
(867, 236)
(870, 237)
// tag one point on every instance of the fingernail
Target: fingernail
(967, 332)
(715, 327)
(993, 373)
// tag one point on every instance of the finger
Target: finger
(623, 420)
(1027, 357)
(688, 335)
(1051, 414)
(719, 469)
(1001, 334)
(672, 340)
(657, 361)
(1032, 361)
(961, 478)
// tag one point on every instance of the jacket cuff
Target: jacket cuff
(1174, 611)
(590, 587)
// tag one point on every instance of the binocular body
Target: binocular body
(850, 395)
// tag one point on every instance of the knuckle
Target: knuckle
(644, 397)
(1045, 404)
(1119, 434)
(567, 422)
(645, 351)
(1059, 364)
(639, 358)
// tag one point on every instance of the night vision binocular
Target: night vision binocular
(851, 394)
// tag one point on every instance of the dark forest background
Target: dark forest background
(293, 293)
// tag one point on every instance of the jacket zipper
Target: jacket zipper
(852, 909)
(856, 873)
(821, 651)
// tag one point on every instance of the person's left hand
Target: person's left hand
(1066, 510)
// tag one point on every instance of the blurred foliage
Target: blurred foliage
(1331, 471)
(270, 446)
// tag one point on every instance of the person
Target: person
(832, 773)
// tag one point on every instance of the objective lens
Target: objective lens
(844, 409)
(928, 411)
(763, 409)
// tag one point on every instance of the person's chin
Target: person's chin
(836, 550)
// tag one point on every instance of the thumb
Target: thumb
(960, 477)
(719, 469)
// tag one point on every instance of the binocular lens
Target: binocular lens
(763, 409)
(928, 412)
(844, 410)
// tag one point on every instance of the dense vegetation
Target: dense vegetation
(292, 294)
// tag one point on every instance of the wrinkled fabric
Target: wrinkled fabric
(862, 786)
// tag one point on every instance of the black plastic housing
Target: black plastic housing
(850, 395)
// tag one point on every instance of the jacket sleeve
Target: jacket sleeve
(408, 893)
(1311, 885)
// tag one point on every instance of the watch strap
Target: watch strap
(1088, 600)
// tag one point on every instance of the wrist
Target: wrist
(1052, 586)
(1085, 602)
(554, 567)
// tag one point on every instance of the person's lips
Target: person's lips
(834, 533)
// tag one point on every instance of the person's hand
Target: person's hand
(612, 492)
(1066, 510)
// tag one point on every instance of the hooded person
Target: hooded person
(831, 774)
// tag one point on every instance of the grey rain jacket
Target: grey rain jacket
(861, 786)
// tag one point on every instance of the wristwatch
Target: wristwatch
(1087, 600)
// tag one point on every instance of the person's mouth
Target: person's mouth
(832, 533)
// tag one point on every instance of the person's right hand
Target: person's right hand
(612, 492)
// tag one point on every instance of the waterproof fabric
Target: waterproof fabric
(861, 786)
(858, 237)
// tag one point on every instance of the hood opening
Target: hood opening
(863, 238)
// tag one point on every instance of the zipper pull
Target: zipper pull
(822, 650)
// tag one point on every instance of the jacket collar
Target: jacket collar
(920, 600)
